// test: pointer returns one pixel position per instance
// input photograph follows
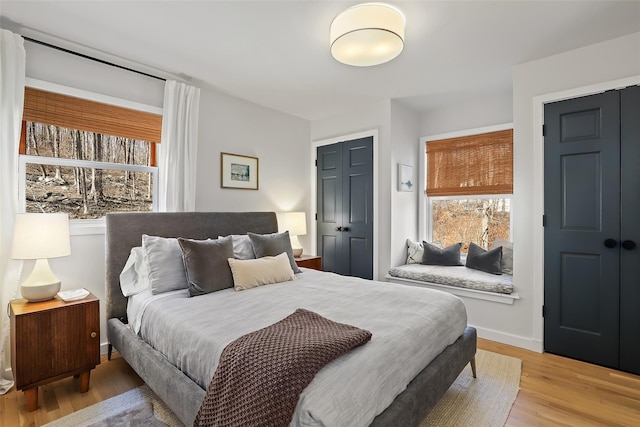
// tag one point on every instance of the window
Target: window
(480, 220)
(469, 187)
(86, 158)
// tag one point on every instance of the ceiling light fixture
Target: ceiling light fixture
(367, 34)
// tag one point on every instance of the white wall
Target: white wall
(281, 143)
(404, 205)
(226, 124)
(488, 111)
(375, 116)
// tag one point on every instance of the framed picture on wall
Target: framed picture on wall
(405, 177)
(237, 171)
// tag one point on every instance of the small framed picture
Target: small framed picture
(237, 171)
(405, 177)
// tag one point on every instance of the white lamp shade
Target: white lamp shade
(367, 34)
(41, 236)
(294, 222)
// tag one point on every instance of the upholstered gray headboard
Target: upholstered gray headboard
(124, 231)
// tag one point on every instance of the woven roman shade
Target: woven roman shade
(76, 113)
(471, 165)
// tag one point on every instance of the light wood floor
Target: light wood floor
(554, 391)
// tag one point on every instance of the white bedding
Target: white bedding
(410, 327)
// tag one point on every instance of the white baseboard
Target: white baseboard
(510, 339)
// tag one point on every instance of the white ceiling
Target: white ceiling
(276, 53)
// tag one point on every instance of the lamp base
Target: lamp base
(42, 284)
(39, 292)
(296, 247)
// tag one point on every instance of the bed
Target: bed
(182, 393)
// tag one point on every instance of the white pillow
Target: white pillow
(135, 274)
(242, 247)
(166, 269)
(414, 252)
(250, 273)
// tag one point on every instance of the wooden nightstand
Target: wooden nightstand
(309, 261)
(51, 340)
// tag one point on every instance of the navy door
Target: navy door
(630, 230)
(592, 290)
(345, 207)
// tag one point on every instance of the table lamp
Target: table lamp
(296, 224)
(40, 236)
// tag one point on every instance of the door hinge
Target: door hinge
(316, 162)
(544, 130)
(316, 217)
(544, 220)
(543, 311)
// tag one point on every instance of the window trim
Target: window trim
(81, 226)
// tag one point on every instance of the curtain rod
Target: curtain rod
(29, 39)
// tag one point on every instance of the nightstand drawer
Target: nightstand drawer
(309, 261)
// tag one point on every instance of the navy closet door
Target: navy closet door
(345, 207)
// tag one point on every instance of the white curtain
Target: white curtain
(178, 148)
(12, 76)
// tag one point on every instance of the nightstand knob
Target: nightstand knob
(93, 335)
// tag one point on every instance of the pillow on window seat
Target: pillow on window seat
(449, 256)
(415, 251)
(488, 261)
(507, 254)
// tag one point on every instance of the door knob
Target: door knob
(338, 228)
(629, 245)
(345, 228)
(610, 243)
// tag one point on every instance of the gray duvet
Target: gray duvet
(410, 327)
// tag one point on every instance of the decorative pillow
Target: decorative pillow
(489, 261)
(206, 264)
(272, 245)
(415, 251)
(433, 255)
(242, 247)
(251, 273)
(166, 269)
(507, 255)
(134, 277)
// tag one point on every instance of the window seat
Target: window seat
(457, 280)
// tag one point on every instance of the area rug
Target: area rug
(138, 407)
(481, 402)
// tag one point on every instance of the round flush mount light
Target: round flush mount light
(367, 34)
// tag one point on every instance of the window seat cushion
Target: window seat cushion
(461, 277)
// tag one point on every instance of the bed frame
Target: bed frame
(178, 391)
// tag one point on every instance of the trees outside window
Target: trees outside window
(479, 220)
(85, 174)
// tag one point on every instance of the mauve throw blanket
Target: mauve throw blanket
(261, 375)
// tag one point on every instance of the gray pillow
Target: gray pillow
(273, 245)
(433, 255)
(487, 261)
(206, 264)
(242, 248)
(166, 270)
